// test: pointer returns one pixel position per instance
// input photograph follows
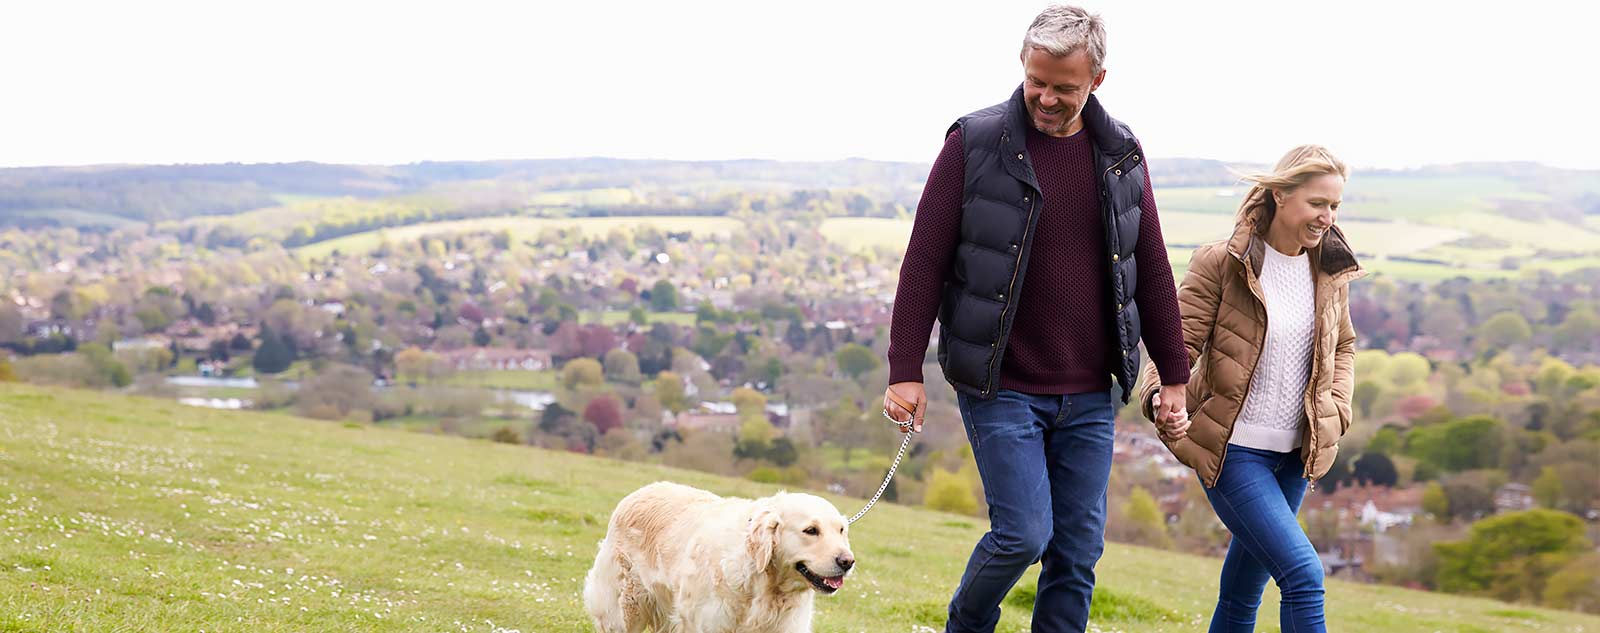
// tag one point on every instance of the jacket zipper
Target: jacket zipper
(1250, 381)
(995, 357)
(1118, 163)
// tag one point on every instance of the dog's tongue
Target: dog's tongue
(834, 583)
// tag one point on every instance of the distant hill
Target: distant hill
(123, 513)
(110, 195)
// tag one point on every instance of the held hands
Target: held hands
(1172, 417)
(906, 401)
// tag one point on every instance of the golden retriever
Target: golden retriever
(680, 559)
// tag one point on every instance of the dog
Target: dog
(677, 558)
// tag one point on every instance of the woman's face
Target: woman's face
(1306, 212)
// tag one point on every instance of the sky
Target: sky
(1391, 84)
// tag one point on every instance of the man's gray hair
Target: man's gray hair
(1062, 30)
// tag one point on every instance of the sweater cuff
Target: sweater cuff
(1172, 373)
(905, 370)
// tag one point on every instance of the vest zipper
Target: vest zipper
(1012, 295)
(1119, 162)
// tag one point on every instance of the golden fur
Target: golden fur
(679, 559)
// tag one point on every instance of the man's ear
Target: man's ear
(1098, 79)
(762, 538)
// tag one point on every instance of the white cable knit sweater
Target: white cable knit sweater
(1274, 416)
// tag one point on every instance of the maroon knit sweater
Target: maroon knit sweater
(1061, 339)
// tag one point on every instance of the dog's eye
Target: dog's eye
(812, 530)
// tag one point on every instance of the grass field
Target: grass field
(123, 514)
(504, 379)
(1178, 228)
(521, 228)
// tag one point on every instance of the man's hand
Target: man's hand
(1172, 417)
(901, 395)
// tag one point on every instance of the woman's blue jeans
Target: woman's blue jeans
(1257, 496)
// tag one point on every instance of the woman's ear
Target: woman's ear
(762, 538)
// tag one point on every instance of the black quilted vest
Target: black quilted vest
(1000, 210)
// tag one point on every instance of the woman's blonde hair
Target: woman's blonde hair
(1296, 168)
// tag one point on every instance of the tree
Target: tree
(11, 322)
(749, 402)
(482, 338)
(594, 340)
(1463, 444)
(335, 393)
(1145, 523)
(1576, 585)
(783, 452)
(1407, 369)
(604, 413)
(7, 374)
(416, 365)
(556, 418)
(1504, 330)
(1470, 496)
(854, 360)
(663, 297)
(106, 367)
(206, 314)
(1366, 394)
(1376, 469)
(1578, 331)
(1548, 489)
(1435, 502)
(637, 316)
(622, 366)
(1511, 556)
(582, 372)
(1385, 441)
(755, 438)
(670, 392)
(949, 492)
(274, 355)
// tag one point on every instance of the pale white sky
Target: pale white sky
(1389, 83)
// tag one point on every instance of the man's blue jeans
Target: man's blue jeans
(1044, 461)
(1257, 496)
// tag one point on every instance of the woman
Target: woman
(1266, 319)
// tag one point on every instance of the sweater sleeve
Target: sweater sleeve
(1157, 295)
(934, 234)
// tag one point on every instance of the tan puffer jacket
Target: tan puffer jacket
(1224, 328)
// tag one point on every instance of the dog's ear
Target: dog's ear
(762, 537)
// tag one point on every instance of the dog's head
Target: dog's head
(801, 538)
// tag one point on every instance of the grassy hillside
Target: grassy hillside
(121, 514)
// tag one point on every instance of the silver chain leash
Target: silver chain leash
(905, 426)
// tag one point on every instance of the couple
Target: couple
(1037, 247)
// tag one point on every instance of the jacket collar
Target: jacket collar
(1334, 257)
(1110, 137)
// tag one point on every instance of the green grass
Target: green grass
(867, 233)
(521, 228)
(504, 379)
(129, 514)
(613, 196)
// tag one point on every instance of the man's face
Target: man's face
(1055, 89)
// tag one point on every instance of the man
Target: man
(1036, 244)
